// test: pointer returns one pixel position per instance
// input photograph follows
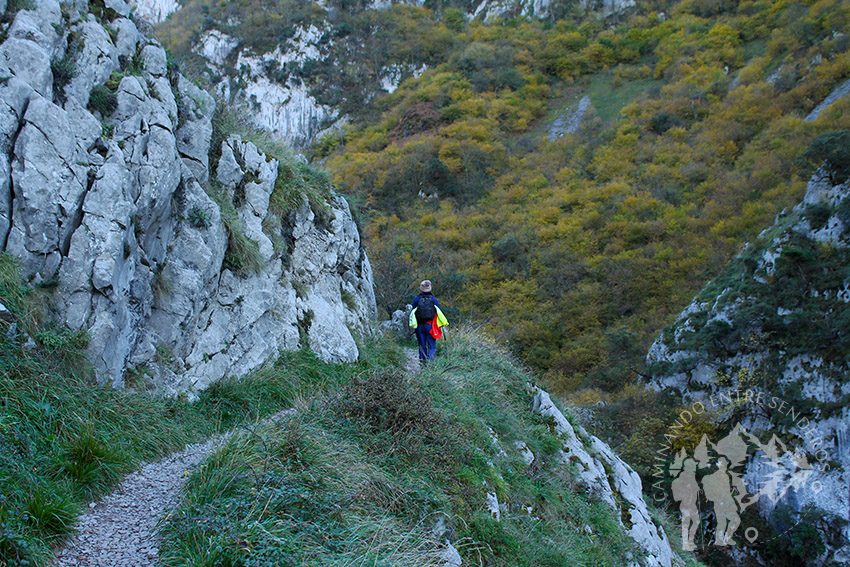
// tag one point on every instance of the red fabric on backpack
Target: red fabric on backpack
(436, 331)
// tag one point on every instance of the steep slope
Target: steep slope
(177, 267)
(766, 346)
(463, 463)
(579, 248)
(305, 69)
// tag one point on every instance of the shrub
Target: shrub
(103, 100)
(390, 401)
(830, 150)
(662, 122)
(101, 11)
(817, 215)
(198, 218)
(15, 6)
(348, 298)
(843, 212)
(15, 550)
(64, 69)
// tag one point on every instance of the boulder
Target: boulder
(398, 323)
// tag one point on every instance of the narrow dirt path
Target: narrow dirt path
(120, 530)
(412, 362)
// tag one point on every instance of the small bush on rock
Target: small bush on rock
(199, 218)
(103, 100)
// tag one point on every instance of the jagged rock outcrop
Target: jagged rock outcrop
(604, 474)
(490, 9)
(770, 336)
(107, 194)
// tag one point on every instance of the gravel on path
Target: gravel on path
(121, 529)
(412, 365)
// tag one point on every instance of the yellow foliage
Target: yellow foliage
(619, 225)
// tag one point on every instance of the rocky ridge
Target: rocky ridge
(775, 326)
(107, 196)
(602, 473)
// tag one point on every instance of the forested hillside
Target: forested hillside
(578, 249)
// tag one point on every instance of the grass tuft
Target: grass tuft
(51, 513)
(243, 254)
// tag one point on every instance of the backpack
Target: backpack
(426, 310)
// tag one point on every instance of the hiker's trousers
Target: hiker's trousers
(427, 343)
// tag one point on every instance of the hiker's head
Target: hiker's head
(425, 286)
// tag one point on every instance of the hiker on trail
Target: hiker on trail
(427, 319)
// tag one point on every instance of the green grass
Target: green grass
(608, 98)
(65, 439)
(362, 474)
(295, 182)
(243, 254)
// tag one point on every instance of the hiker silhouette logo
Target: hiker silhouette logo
(713, 483)
(722, 484)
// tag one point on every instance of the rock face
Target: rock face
(155, 11)
(490, 9)
(107, 193)
(773, 331)
(283, 106)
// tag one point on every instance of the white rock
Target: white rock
(450, 556)
(591, 462)
(155, 11)
(526, 453)
(492, 503)
(216, 46)
(136, 243)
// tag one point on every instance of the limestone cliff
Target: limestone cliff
(770, 337)
(176, 267)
